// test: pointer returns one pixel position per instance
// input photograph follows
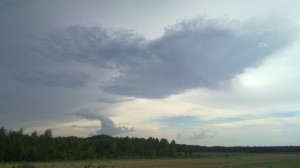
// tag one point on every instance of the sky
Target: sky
(204, 72)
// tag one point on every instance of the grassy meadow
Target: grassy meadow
(202, 160)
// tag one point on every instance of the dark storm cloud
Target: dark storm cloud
(112, 100)
(108, 127)
(55, 79)
(191, 54)
(14, 4)
(95, 45)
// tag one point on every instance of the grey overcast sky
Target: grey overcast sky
(196, 71)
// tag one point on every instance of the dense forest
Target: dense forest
(15, 145)
(188, 150)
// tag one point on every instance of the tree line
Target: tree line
(15, 145)
(188, 150)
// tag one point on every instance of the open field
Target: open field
(204, 160)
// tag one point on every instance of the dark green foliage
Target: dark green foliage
(188, 150)
(17, 146)
(25, 165)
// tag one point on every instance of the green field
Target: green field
(204, 160)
